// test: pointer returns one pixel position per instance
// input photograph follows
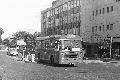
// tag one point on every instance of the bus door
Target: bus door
(56, 47)
(39, 50)
(47, 50)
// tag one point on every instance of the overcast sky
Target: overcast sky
(18, 15)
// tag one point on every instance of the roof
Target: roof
(61, 37)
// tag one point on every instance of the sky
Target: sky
(21, 15)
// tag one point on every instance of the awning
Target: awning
(116, 39)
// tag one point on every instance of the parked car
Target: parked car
(12, 52)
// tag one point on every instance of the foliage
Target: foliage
(1, 31)
(20, 35)
(6, 42)
(37, 34)
(28, 38)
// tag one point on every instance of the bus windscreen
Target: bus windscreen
(72, 45)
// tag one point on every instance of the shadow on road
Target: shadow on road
(56, 65)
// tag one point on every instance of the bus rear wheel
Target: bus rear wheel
(52, 60)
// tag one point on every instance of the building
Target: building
(94, 20)
(65, 16)
(105, 20)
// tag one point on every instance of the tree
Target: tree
(6, 42)
(1, 32)
(37, 34)
(20, 35)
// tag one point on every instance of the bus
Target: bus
(59, 49)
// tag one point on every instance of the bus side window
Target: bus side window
(48, 45)
(43, 44)
(55, 44)
(60, 45)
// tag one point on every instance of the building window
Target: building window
(75, 3)
(69, 5)
(103, 10)
(99, 28)
(72, 3)
(48, 13)
(111, 8)
(96, 12)
(107, 27)
(65, 7)
(100, 11)
(59, 10)
(92, 29)
(56, 10)
(96, 28)
(53, 11)
(107, 9)
(93, 13)
(78, 2)
(111, 26)
(103, 28)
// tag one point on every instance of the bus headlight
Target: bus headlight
(62, 55)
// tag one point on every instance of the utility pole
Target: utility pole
(111, 47)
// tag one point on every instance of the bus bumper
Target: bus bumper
(71, 61)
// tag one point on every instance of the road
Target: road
(11, 69)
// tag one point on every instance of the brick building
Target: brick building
(94, 20)
(66, 16)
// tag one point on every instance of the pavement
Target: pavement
(92, 61)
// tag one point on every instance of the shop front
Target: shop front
(115, 48)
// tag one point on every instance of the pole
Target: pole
(23, 56)
(110, 47)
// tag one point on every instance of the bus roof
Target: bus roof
(61, 37)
